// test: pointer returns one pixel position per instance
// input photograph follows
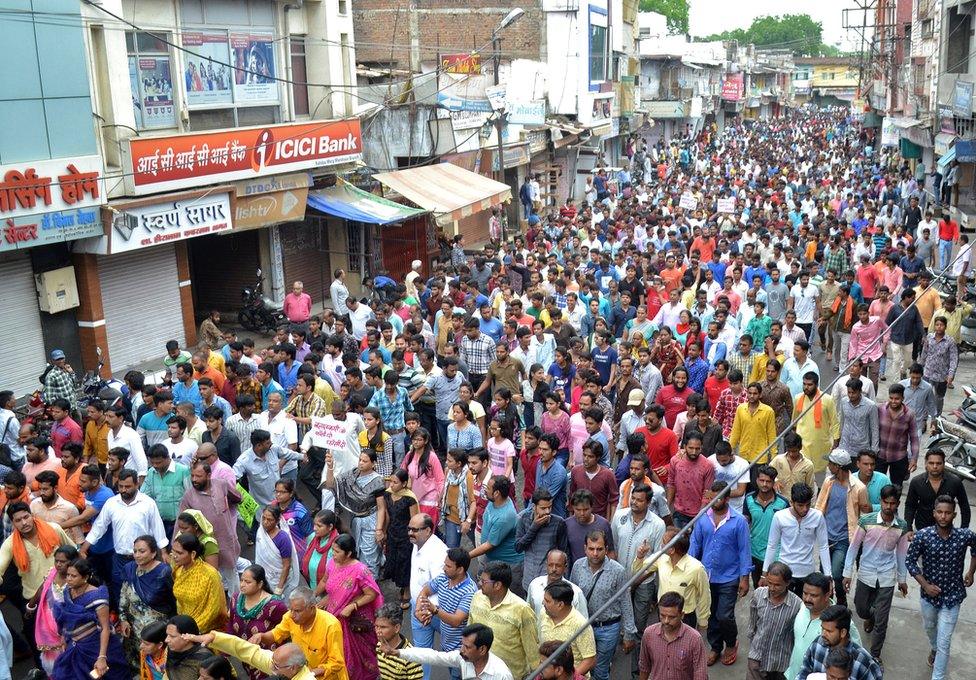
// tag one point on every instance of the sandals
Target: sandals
(729, 658)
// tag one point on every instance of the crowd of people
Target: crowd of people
(465, 475)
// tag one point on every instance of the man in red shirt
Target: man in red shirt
(662, 443)
(674, 397)
(716, 383)
(689, 477)
(948, 234)
(298, 304)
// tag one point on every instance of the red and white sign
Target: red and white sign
(733, 87)
(38, 187)
(192, 160)
(330, 433)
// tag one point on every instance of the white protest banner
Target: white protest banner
(726, 205)
(688, 201)
(331, 433)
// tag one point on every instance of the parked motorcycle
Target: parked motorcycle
(259, 312)
(958, 444)
(94, 386)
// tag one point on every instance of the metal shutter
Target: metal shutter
(141, 298)
(20, 332)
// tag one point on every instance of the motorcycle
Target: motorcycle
(259, 312)
(94, 386)
(958, 444)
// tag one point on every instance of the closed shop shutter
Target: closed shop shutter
(305, 256)
(20, 332)
(221, 267)
(141, 298)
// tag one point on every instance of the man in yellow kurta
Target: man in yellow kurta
(754, 426)
(819, 427)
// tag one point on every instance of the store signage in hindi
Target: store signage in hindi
(329, 433)
(50, 186)
(461, 63)
(29, 231)
(526, 113)
(185, 161)
(733, 87)
(467, 120)
(144, 226)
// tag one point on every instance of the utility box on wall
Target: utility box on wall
(57, 290)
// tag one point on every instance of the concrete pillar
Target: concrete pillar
(186, 293)
(90, 313)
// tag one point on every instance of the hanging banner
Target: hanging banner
(205, 72)
(889, 132)
(461, 63)
(254, 72)
(962, 99)
(733, 87)
(152, 92)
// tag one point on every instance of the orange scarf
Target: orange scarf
(848, 310)
(817, 410)
(47, 541)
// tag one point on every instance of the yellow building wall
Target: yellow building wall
(834, 76)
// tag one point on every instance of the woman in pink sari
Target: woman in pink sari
(353, 598)
(50, 644)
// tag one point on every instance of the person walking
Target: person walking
(772, 611)
(940, 357)
(671, 649)
(791, 535)
(941, 550)
(835, 622)
(923, 491)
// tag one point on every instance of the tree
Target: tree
(676, 12)
(797, 32)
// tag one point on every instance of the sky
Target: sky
(714, 16)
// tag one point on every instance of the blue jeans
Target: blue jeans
(939, 623)
(945, 252)
(442, 431)
(838, 553)
(722, 631)
(607, 638)
(421, 635)
(452, 535)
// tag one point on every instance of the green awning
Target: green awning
(909, 149)
(349, 202)
(871, 120)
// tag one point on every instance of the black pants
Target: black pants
(940, 392)
(796, 585)
(757, 565)
(428, 420)
(23, 637)
(485, 397)
(874, 603)
(897, 471)
(310, 473)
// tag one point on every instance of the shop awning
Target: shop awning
(965, 151)
(450, 192)
(945, 159)
(350, 203)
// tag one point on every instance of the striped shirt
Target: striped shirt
(391, 412)
(242, 429)
(883, 550)
(771, 629)
(396, 667)
(452, 599)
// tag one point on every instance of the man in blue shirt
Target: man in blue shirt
(720, 541)
(498, 529)
(96, 493)
(186, 388)
(287, 366)
(551, 474)
(490, 325)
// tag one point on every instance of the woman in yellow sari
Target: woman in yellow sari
(196, 585)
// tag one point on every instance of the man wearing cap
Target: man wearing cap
(58, 379)
(842, 500)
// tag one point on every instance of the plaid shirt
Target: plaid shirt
(313, 407)
(836, 259)
(478, 354)
(864, 667)
(743, 363)
(724, 412)
(391, 412)
(898, 434)
(59, 384)
(252, 387)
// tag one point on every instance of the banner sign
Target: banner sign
(53, 227)
(187, 161)
(688, 201)
(726, 205)
(254, 72)
(205, 70)
(142, 226)
(526, 113)
(330, 433)
(461, 63)
(733, 87)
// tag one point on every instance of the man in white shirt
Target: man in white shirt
(359, 314)
(473, 659)
(557, 564)
(339, 293)
(179, 446)
(797, 535)
(963, 264)
(426, 562)
(670, 311)
(283, 429)
(122, 436)
(129, 515)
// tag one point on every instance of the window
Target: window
(354, 245)
(927, 28)
(343, 7)
(598, 46)
(151, 81)
(299, 75)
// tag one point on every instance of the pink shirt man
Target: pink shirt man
(298, 304)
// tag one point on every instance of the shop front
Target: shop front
(44, 207)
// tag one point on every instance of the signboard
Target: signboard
(461, 63)
(152, 92)
(726, 205)
(253, 212)
(733, 87)
(889, 132)
(54, 227)
(207, 78)
(496, 96)
(267, 185)
(688, 201)
(28, 189)
(463, 92)
(467, 120)
(514, 156)
(181, 161)
(329, 433)
(526, 113)
(143, 226)
(962, 99)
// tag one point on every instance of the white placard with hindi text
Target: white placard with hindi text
(726, 205)
(332, 433)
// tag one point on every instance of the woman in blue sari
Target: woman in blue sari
(83, 619)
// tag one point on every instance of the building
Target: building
(833, 80)
(191, 141)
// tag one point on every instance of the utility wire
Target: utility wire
(762, 459)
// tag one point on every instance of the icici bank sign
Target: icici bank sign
(158, 164)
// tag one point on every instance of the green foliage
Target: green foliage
(797, 32)
(676, 12)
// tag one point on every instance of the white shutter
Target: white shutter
(141, 299)
(20, 331)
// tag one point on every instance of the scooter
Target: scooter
(259, 312)
(958, 444)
